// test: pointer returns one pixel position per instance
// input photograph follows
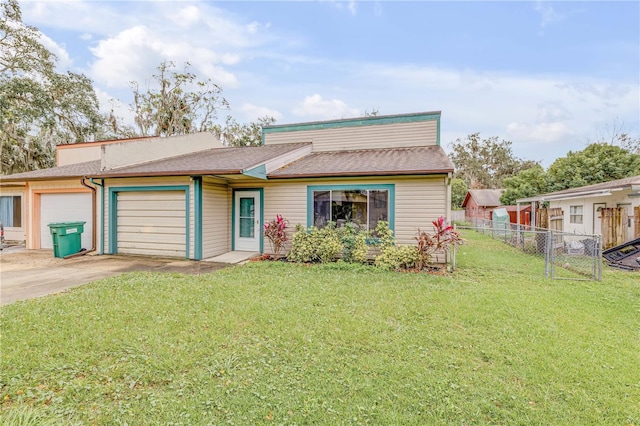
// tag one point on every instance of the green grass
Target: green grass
(276, 343)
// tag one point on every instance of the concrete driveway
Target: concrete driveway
(25, 274)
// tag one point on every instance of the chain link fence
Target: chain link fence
(566, 255)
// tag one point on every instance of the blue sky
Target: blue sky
(548, 76)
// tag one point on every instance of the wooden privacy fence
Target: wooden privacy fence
(614, 225)
(636, 222)
(550, 218)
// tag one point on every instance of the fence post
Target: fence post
(547, 254)
(598, 251)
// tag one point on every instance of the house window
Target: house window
(11, 211)
(363, 206)
(575, 214)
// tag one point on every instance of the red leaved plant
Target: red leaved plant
(276, 232)
(444, 239)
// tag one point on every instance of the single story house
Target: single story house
(478, 203)
(207, 202)
(583, 207)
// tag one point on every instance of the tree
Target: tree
(39, 107)
(614, 134)
(527, 183)
(598, 162)
(484, 163)
(235, 134)
(459, 191)
(180, 103)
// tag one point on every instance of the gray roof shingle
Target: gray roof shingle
(487, 197)
(88, 168)
(372, 162)
(612, 184)
(212, 161)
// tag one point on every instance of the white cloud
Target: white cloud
(318, 108)
(253, 112)
(120, 109)
(131, 39)
(64, 60)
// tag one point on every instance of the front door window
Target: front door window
(247, 217)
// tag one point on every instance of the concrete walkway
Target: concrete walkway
(26, 274)
(234, 257)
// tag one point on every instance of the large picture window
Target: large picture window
(362, 206)
(11, 211)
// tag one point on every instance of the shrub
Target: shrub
(397, 258)
(315, 245)
(354, 243)
(276, 233)
(385, 235)
(393, 257)
(327, 244)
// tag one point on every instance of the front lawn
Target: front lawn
(269, 342)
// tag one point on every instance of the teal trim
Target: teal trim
(438, 131)
(389, 187)
(259, 172)
(233, 216)
(113, 212)
(101, 185)
(354, 122)
(197, 207)
(261, 220)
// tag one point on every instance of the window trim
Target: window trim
(573, 214)
(21, 210)
(354, 187)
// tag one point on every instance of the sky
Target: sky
(548, 76)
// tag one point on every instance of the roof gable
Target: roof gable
(484, 197)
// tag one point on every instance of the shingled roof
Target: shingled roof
(88, 168)
(236, 160)
(373, 162)
(484, 197)
(216, 161)
(596, 189)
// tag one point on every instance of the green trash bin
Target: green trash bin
(66, 237)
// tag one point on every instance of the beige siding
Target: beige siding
(418, 201)
(397, 135)
(216, 227)
(77, 153)
(152, 223)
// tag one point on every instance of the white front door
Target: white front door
(247, 221)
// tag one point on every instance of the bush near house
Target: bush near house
(351, 245)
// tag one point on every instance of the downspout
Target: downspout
(93, 219)
(101, 185)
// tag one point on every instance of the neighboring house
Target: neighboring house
(478, 203)
(208, 202)
(583, 207)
